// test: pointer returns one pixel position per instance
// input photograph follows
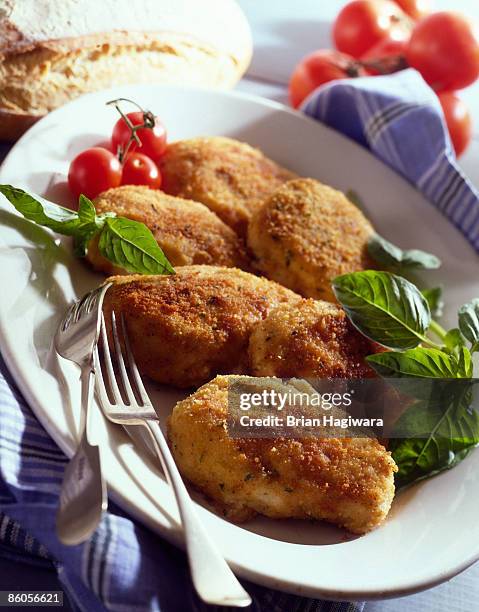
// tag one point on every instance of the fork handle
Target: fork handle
(87, 386)
(213, 580)
(83, 496)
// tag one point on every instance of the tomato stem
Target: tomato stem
(148, 123)
(386, 65)
(352, 69)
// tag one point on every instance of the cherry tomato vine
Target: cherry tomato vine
(137, 142)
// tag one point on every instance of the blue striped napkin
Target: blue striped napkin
(400, 119)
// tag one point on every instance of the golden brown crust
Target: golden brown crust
(14, 43)
(51, 52)
(347, 481)
(230, 177)
(187, 327)
(312, 339)
(188, 232)
(306, 234)
(63, 70)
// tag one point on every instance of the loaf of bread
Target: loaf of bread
(54, 50)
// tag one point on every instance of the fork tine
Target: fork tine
(73, 313)
(109, 365)
(68, 317)
(95, 295)
(121, 363)
(80, 307)
(134, 368)
(91, 301)
(83, 306)
(88, 302)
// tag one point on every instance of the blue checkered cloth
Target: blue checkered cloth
(124, 567)
(399, 118)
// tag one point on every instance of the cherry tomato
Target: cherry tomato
(458, 120)
(138, 169)
(318, 68)
(444, 47)
(363, 23)
(415, 8)
(385, 56)
(93, 171)
(153, 141)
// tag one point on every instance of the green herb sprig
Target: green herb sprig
(125, 243)
(393, 312)
(393, 258)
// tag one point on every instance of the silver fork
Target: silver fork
(214, 582)
(83, 495)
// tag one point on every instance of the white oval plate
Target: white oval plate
(432, 531)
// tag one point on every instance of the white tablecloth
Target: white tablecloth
(283, 32)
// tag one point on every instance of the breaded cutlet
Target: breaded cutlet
(311, 339)
(230, 177)
(187, 232)
(346, 481)
(187, 327)
(305, 234)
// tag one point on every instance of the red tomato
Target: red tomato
(138, 169)
(386, 56)
(415, 8)
(93, 171)
(318, 68)
(386, 47)
(444, 47)
(153, 141)
(363, 23)
(458, 120)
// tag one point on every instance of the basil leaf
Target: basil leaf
(131, 245)
(389, 255)
(453, 340)
(124, 242)
(90, 224)
(465, 367)
(82, 238)
(48, 214)
(86, 210)
(443, 435)
(469, 322)
(386, 308)
(434, 299)
(418, 362)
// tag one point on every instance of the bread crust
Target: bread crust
(38, 74)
